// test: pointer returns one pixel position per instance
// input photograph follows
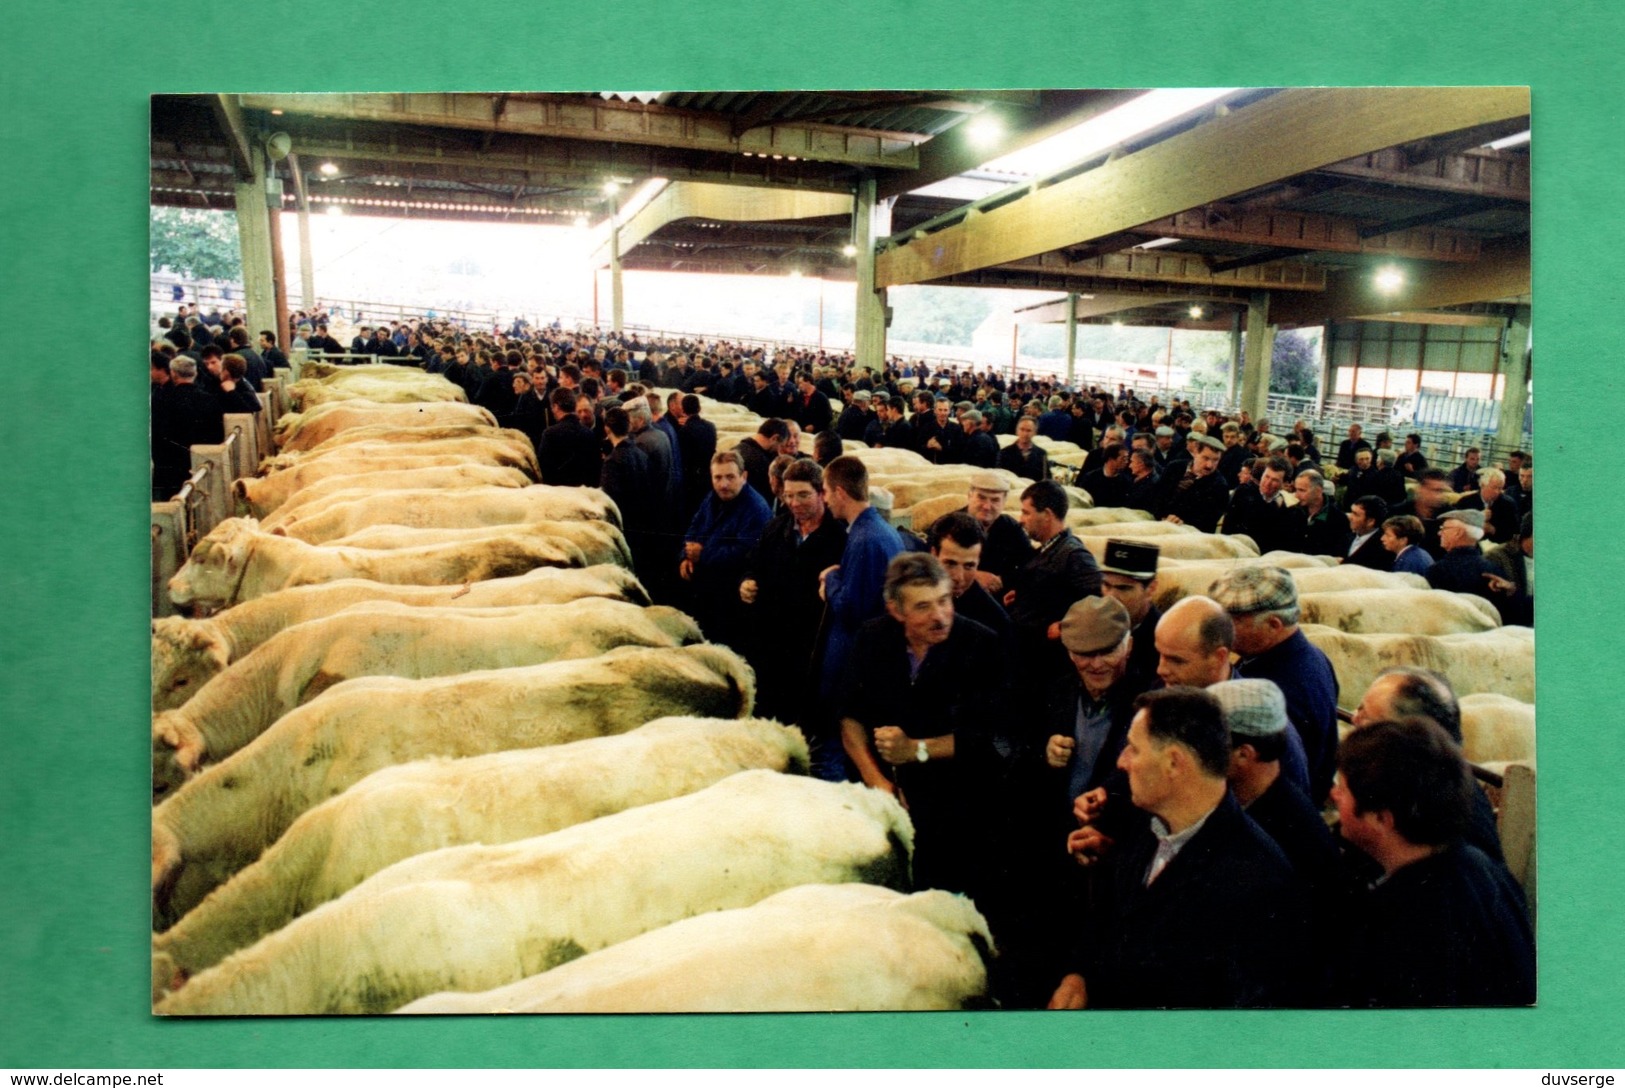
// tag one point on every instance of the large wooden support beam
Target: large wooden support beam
(728, 203)
(951, 154)
(1160, 266)
(1101, 304)
(584, 118)
(1515, 365)
(254, 239)
(871, 220)
(1305, 231)
(1481, 172)
(1502, 271)
(1260, 345)
(228, 114)
(1287, 134)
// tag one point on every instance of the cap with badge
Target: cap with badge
(1133, 558)
(1245, 590)
(1252, 708)
(1095, 624)
(989, 481)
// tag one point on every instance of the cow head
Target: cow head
(212, 573)
(186, 654)
(177, 750)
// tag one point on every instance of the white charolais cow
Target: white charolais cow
(186, 653)
(302, 432)
(236, 562)
(383, 441)
(476, 917)
(383, 638)
(814, 948)
(412, 808)
(264, 495)
(1497, 729)
(444, 476)
(1399, 611)
(345, 512)
(222, 819)
(1500, 661)
(599, 541)
(1178, 580)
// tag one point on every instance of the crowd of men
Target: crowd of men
(1133, 798)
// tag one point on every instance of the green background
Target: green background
(74, 811)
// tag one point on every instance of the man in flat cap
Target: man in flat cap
(1087, 711)
(1263, 605)
(1462, 567)
(1168, 451)
(1129, 576)
(1198, 496)
(1007, 545)
(855, 416)
(1255, 710)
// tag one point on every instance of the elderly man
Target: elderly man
(1445, 925)
(1500, 511)
(186, 416)
(1198, 496)
(1365, 548)
(1514, 580)
(1350, 446)
(980, 449)
(1024, 457)
(718, 544)
(1007, 547)
(1358, 479)
(1056, 423)
(1061, 572)
(1255, 710)
(1324, 530)
(1263, 605)
(852, 590)
(1200, 909)
(915, 709)
(1086, 711)
(1145, 486)
(1260, 510)
(1463, 567)
(1128, 575)
(855, 416)
(781, 588)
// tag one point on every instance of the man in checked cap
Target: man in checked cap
(1263, 605)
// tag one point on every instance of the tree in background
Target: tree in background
(195, 243)
(1295, 362)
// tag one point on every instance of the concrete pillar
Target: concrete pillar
(1071, 337)
(1515, 365)
(307, 266)
(279, 279)
(1323, 370)
(871, 220)
(615, 300)
(254, 235)
(1235, 359)
(1255, 374)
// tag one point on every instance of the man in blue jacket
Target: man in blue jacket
(718, 544)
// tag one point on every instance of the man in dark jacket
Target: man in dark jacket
(1061, 572)
(1200, 908)
(1259, 510)
(1025, 457)
(697, 441)
(569, 453)
(1463, 566)
(1108, 484)
(626, 478)
(981, 449)
(1325, 531)
(189, 417)
(1445, 926)
(1351, 445)
(812, 406)
(1144, 487)
(1198, 496)
(1365, 517)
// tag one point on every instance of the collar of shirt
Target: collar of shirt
(1169, 846)
(1359, 541)
(1054, 540)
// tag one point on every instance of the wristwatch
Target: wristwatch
(920, 753)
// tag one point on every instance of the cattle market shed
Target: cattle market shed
(1396, 217)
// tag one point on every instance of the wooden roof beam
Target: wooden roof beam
(607, 121)
(1501, 272)
(228, 113)
(1286, 134)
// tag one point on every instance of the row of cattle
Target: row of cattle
(415, 649)
(426, 735)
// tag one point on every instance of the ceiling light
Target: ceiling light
(1510, 141)
(612, 187)
(1155, 242)
(1389, 279)
(329, 169)
(334, 209)
(849, 250)
(276, 113)
(1195, 312)
(985, 130)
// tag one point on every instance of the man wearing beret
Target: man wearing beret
(1087, 710)
(1198, 496)
(1263, 605)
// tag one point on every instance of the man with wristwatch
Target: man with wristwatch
(922, 694)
